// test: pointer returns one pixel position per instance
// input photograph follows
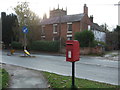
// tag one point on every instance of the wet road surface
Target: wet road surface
(91, 68)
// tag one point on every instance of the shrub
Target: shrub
(99, 43)
(86, 38)
(45, 46)
(4, 77)
(16, 45)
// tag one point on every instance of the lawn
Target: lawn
(59, 81)
(4, 78)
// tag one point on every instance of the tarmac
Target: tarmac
(25, 78)
(28, 78)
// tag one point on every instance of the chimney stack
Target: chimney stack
(91, 18)
(85, 9)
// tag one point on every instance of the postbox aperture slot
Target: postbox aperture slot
(69, 44)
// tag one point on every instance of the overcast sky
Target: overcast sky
(103, 11)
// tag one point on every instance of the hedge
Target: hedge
(52, 46)
(16, 45)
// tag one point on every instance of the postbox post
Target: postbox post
(73, 74)
(72, 55)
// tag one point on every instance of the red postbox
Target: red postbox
(72, 50)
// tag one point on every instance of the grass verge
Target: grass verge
(59, 81)
(4, 78)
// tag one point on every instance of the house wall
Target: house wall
(99, 36)
(77, 26)
(64, 30)
(48, 32)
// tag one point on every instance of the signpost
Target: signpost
(72, 55)
(25, 31)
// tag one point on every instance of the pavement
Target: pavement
(25, 78)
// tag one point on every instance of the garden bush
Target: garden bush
(52, 46)
(16, 45)
(86, 38)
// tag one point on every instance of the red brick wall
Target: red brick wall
(64, 30)
(76, 27)
(49, 32)
(89, 50)
(84, 23)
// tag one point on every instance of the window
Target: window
(69, 27)
(54, 28)
(69, 37)
(42, 37)
(43, 29)
(43, 33)
(55, 38)
(89, 27)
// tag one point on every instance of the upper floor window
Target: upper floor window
(54, 28)
(69, 27)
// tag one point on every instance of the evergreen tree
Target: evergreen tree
(8, 22)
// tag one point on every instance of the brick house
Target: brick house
(62, 26)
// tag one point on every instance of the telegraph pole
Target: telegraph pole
(60, 29)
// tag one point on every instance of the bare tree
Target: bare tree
(32, 21)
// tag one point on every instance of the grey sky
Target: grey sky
(104, 11)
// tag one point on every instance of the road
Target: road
(91, 68)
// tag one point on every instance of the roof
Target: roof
(65, 18)
(97, 27)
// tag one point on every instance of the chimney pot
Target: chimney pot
(85, 9)
(91, 18)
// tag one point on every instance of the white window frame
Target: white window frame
(54, 31)
(43, 37)
(68, 27)
(69, 36)
(89, 27)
